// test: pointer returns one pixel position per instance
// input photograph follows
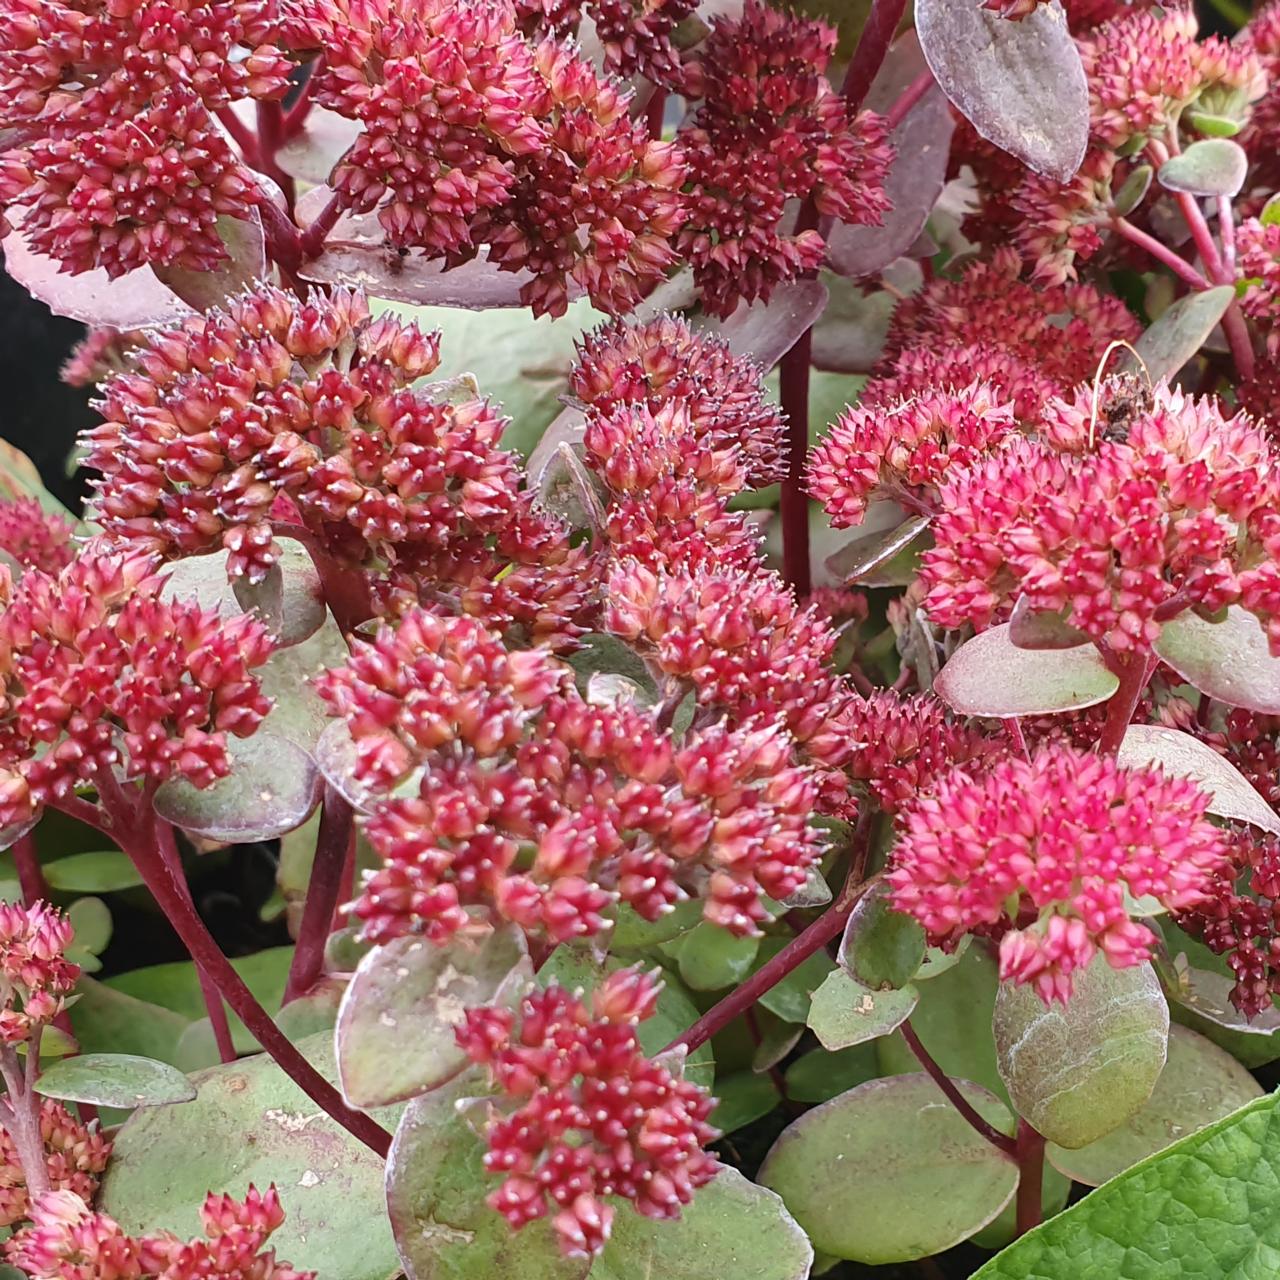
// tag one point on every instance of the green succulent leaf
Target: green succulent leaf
(121, 1080)
(1229, 660)
(845, 1012)
(881, 948)
(103, 871)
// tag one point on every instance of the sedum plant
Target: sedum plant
(723, 822)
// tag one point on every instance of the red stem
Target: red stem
(1133, 673)
(953, 1094)
(284, 244)
(794, 375)
(30, 873)
(1030, 1152)
(21, 1113)
(1162, 253)
(313, 238)
(168, 847)
(270, 139)
(197, 939)
(242, 136)
(335, 842)
(910, 96)
(873, 45)
(655, 111)
(295, 116)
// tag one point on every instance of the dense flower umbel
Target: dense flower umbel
(516, 795)
(77, 1156)
(34, 539)
(771, 129)
(1259, 137)
(100, 673)
(590, 1115)
(472, 136)
(1258, 244)
(99, 354)
(35, 975)
(68, 1241)
(1039, 853)
(1182, 503)
(903, 451)
(278, 409)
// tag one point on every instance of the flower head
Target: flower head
(1259, 257)
(1039, 854)
(76, 1154)
(99, 354)
(32, 538)
(34, 972)
(587, 1115)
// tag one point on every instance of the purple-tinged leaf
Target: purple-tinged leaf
(290, 599)
(850, 335)
(395, 1030)
(1210, 167)
(766, 331)
(845, 1012)
(1229, 660)
(1038, 629)
(1231, 793)
(121, 1080)
(860, 558)
(568, 428)
(922, 142)
(246, 265)
(1020, 84)
(881, 948)
(1201, 999)
(990, 676)
(1179, 333)
(335, 757)
(324, 139)
(132, 301)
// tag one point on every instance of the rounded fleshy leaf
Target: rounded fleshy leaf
(91, 919)
(741, 1098)
(790, 998)
(436, 1185)
(120, 1080)
(777, 1039)
(272, 787)
(711, 959)
(325, 137)
(1133, 191)
(631, 932)
(733, 1228)
(297, 712)
(250, 1123)
(290, 600)
(246, 265)
(334, 754)
(99, 871)
(395, 1030)
(1201, 1000)
(990, 676)
(859, 559)
(1178, 334)
(850, 336)
(891, 1171)
(1232, 794)
(1055, 1189)
(881, 947)
(1200, 1083)
(1077, 1071)
(1210, 167)
(819, 1076)
(1020, 84)
(1038, 629)
(766, 331)
(1228, 660)
(845, 1012)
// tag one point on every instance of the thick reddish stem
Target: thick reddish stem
(953, 1094)
(30, 873)
(908, 99)
(794, 375)
(873, 45)
(1162, 253)
(335, 842)
(20, 1114)
(295, 116)
(168, 847)
(270, 140)
(1030, 1177)
(313, 238)
(197, 939)
(1133, 673)
(241, 135)
(655, 111)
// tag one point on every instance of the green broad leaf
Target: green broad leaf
(711, 958)
(1077, 1071)
(121, 1080)
(733, 1228)
(953, 1022)
(1210, 167)
(1228, 660)
(575, 969)
(881, 948)
(990, 676)
(789, 999)
(1133, 191)
(1200, 1084)
(290, 600)
(1039, 629)
(272, 787)
(314, 1012)
(891, 1171)
(936, 961)
(607, 655)
(436, 1185)
(20, 478)
(203, 579)
(54, 1043)
(344, 950)
(818, 1075)
(632, 932)
(846, 1012)
(777, 1039)
(867, 554)
(91, 920)
(297, 713)
(395, 1032)
(815, 892)
(1208, 1207)
(741, 1098)
(104, 871)
(1178, 334)
(1232, 794)
(110, 1021)
(249, 1123)
(1055, 1189)
(1201, 999)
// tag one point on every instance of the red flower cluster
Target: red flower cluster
(592, 1116)
(117, 161)
(69, 1241)
(770, 129)
(100, 353)
(306, 412)
(473, 137)
(502, 754)
(32, 539)
(77, 1156)
(100, 673)
(1183, 507)
(1038, 853)
(1258, 245)
(34, 968)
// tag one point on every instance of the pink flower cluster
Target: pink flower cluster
(33, 967)
(588, 1115)
(1039, 854)
(770, 129)
(77, 1155)
(115, 161)
(491, 752)
(99, 674)
(67, 1240)
(1180, 508)
(1258, 246)
(33, 539)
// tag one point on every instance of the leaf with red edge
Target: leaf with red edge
(922, 143)
(1210, 167)
(990, 676)
(131, 301)
(1038, 629)
(1020, 84)
(245, 266)
(1229, 660)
